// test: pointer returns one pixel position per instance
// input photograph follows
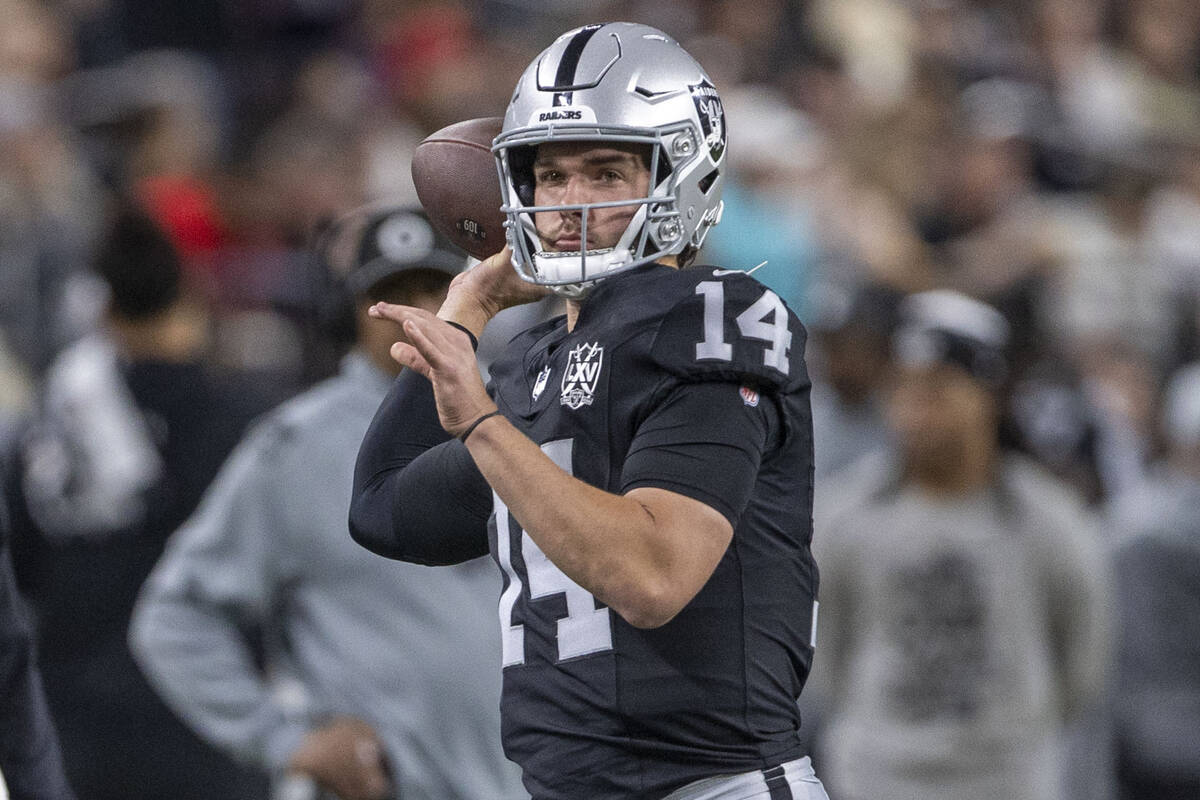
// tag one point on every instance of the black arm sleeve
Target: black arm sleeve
(418, 495)
(705, 441)
(29, 755)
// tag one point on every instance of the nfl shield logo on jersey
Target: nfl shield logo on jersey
(583, 373)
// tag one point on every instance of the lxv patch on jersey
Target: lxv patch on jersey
(582, 375)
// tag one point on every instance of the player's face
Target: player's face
(571, 173)
(937, 411)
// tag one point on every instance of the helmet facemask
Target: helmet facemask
(653, 232)
(617, 83)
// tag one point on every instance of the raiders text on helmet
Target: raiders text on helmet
(616, 82)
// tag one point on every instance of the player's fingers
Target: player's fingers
(441, 344)
(406, 355)
(397, 313)
(501, 260)
(420, 336)
(436, 330)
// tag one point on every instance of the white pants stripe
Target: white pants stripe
(801, 779)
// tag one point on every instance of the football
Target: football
(457, 183)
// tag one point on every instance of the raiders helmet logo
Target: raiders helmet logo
(712, 117)
(582, 375)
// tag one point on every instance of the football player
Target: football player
(640, 468)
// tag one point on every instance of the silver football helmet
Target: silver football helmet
(615, 82)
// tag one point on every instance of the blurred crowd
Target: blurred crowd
(1042, 156)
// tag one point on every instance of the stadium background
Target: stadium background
(1043, 155)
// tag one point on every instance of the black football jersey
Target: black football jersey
(594, 707)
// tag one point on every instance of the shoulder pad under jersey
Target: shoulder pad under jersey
(729, 326)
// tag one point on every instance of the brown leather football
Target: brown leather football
(456, 180)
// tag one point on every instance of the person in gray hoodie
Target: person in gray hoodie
(380, 677)
(963, 613)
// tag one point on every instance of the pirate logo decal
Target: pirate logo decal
(712, 117)
(582, 375)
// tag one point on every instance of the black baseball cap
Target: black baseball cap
(397, 239)
(948, 327)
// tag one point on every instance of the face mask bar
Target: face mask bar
(658, 211)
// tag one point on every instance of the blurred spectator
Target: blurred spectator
(1107, 282)
(962, 590)
(1096, 103)
(396, 698)
(1051, 419)
(30, 761)
(436, 62)
(16, 396)
(986, 223)
(48, 193)
(851, 331)
(172, 161)
(130, 431)
(1157, 565)
(1162, 40)
(775, 25)
(773, 158)
(1119, 384)
(1173, 242)
(299, 173)
(876, 39)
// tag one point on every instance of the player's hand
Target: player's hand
(482, 292)
(443, 354)
(497, 280)
(344, 757)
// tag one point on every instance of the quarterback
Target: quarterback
(640, 468)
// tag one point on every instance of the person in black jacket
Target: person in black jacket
(132, 427)
(30, 761)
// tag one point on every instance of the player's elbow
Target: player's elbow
(651, 604)
(371, 527)
(383, 523)
(676, 549)
(647, 619)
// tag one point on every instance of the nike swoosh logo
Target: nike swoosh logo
(719, 272)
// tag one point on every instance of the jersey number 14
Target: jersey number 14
(752, 323)
(585, 629)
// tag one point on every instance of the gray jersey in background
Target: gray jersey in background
(412, 650)
(958, 637)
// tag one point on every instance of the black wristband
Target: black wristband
(471, 336)
(462, 437)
